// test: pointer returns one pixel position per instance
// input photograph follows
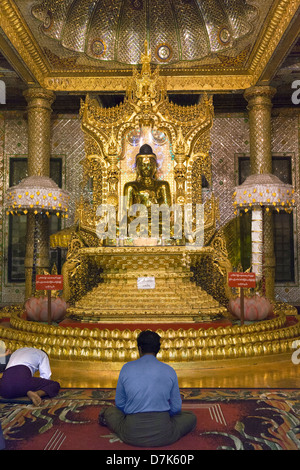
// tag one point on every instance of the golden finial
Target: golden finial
(146, 54)
(112, 143)
(145, 59)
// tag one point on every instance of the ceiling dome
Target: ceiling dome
(176, 30)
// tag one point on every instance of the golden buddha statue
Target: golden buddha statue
(147, 190)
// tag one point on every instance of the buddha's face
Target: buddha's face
(146, 166)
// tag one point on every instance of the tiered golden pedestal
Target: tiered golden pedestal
(173, 298)
(195, 329)
(184, 347)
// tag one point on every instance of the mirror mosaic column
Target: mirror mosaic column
(259, 107)
(39, 110)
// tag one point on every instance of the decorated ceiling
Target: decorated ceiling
(92, 45)
(107, 33)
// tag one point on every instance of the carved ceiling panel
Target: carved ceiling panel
(105, 33)
(93, 45)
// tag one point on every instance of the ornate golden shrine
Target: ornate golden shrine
(180, 135)
(60, 73)
(100, 281)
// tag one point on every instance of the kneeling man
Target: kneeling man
(18, 377)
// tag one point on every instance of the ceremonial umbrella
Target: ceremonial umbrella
(257, 192)
(38, 195)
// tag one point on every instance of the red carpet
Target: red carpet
(230, 419)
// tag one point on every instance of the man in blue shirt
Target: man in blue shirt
(148, 402)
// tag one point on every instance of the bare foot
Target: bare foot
(34, 397)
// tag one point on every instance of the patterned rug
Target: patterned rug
(227, 419)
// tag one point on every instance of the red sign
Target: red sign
(49, 282)
(241, 280)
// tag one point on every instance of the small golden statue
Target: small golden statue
(147, 189)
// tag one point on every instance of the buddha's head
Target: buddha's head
(146, 163)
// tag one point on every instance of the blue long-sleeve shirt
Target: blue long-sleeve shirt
(147, 385)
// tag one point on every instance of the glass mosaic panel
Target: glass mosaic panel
(163, 37)
(284, 247)
(103, 30)
(74, 33)
(53, 16)
(132, 31)
(193, 38)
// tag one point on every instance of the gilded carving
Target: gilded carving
(146, 105)
(146, 109)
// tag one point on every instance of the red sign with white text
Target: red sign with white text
(49, 282)
(241, 280)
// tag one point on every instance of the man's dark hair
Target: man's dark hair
(149, 342)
